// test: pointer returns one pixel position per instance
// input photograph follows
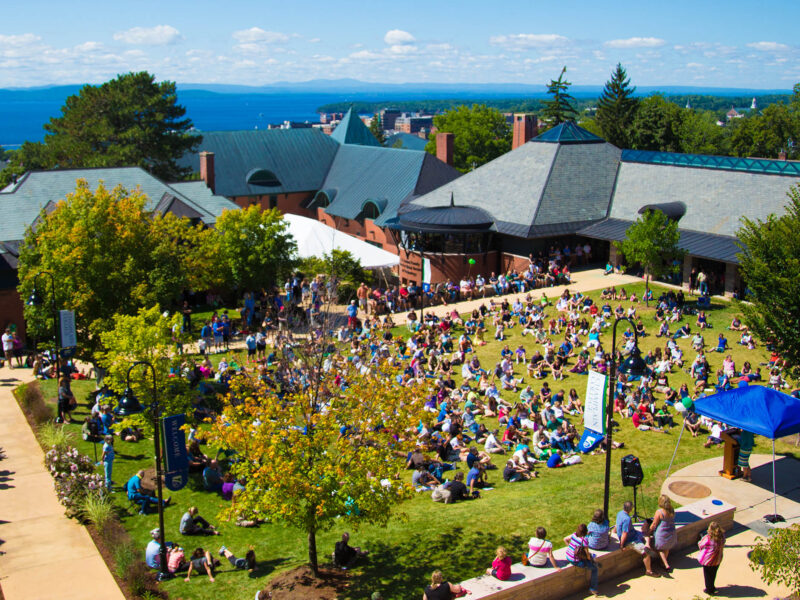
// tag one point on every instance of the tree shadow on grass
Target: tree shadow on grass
(403, 571)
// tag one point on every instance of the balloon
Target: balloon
(471, 261)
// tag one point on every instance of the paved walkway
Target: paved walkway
(43, 554)
(753, 500)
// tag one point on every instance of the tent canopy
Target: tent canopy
(315, 239)
(754, 408)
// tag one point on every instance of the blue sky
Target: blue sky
(731, 43)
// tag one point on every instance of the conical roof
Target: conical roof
(568, 133)
(351, 130)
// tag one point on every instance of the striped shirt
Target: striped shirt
(710, 551)
(575, 543)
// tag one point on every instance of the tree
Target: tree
(129, 121)
(765, 135)
(481, 134)
(151, 336)
(776, 557)
(770, 266)
(326, 451)
(616, 109)
(652, 242)
(657, 125)
(376, 128)
(255, 247)
(700, 134)
(560, 108)
(110, 256)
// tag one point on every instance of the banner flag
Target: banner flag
(176, 460)
(594, 410)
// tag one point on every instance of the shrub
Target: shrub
(56, 436)
(32, 400)
(777, 557)
(97, 509)
(130, 568)
(74, 477)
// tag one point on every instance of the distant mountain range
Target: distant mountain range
(433, 90)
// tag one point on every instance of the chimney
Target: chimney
(207, 170)
(782, 155)
(444, 147)
(525, 128)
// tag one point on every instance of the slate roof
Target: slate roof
(300, 158)
(384, 175)
(20, 204)
(351, 130)
(408, 141)
(539, 189)
(715, 199)
(704, 245)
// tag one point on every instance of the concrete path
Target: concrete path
(735, 578)
(43, 554)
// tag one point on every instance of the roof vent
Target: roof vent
(263, 177)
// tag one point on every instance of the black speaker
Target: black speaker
(631, 471)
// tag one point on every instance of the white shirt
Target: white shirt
(8, 341)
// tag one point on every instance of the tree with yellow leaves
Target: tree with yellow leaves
(326, 443)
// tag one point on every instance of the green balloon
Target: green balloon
(471, 261)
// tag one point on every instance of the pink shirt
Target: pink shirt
(710, 551)
(502, 567)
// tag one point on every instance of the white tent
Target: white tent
(315, 239)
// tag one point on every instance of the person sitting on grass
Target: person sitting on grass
(201, 561)
(722, 344)
(193, 524)
(344, 554)
(134, 489)
(501, 565)
(715, 436)
(212, 477)
(422, 478)
(248, 562)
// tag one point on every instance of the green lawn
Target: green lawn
(460, 539)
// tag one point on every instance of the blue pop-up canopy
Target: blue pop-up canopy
(754, 408)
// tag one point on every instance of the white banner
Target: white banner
(426, 270)
(594, 407)
(69, 339)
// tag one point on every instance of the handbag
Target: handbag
(525, 560)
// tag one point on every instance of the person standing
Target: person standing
(66, 400)
(108, 459)
(746, 443)
(664, 537)
(8, 347)
(711, 547)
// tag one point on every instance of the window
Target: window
(273, 201)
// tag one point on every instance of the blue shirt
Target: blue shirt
(553, 461)
(625, 525)
(151, 554)
(473, 474)
(108, 452)
(352, 311)
(134, 486)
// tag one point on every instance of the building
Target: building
(21, 204)
(412, 123)
(568, 186)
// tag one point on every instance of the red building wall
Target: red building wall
(365, 230)
(287, 203)
(447, 266)
(11, 308)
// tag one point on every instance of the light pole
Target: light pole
(633, 365)
(35, 299)
(130, 405)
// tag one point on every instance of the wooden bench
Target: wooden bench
(548, 584)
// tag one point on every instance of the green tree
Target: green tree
(110, 256)
(766, 134)
(149, 335)
(561, 107)
(129, 121)
(30, 156)
(481, 135)
(700, 134)
(657, 125)
(770, 266)
(376, 128)
(652, 242)
(302, 471)
(255, 247)
(616, 109)
(776, 557)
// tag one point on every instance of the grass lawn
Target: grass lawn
(460, 539)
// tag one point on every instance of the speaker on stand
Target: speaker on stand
(632, 476)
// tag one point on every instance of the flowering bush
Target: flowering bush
(74, 477)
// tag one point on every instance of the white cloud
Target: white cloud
(521, 41)
(768, 46)
(402, 49)
(636, 42)
(314, 41)
(24, 39)
(89, 47)
(694, 65)
(160, 35)
(256, 34)
(396, 37)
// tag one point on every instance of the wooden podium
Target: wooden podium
(730, 470)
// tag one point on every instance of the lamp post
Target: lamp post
(633, 365)
(130, 405)
(35, 299)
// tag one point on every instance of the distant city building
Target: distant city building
(413, 123)
(388, 118)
